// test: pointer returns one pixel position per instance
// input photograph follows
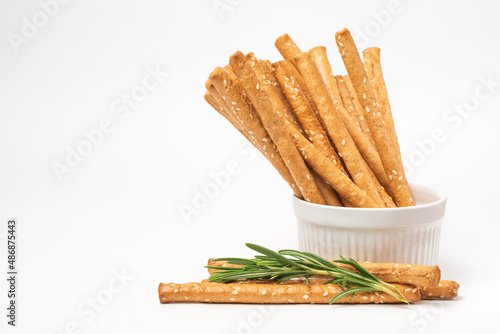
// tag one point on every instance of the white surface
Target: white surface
(119, 209)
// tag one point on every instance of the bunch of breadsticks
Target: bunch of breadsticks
(415, 282)
(331, 137)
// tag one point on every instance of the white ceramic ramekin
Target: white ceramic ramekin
(405, 234)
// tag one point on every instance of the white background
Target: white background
(118, 212)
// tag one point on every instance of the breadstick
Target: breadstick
(444, 290)
(346, 99)
(358, 109)
(357, 167)
(327, 169)
(252, 127)
(272, 294)
(272, 90)
(303, 110)
(330, 196)
(373, 68)
(268, 107)
(287, 47)
(363, 144)
(383, 141)
(422, 276)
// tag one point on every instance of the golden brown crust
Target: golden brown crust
(269, 109)
(287, 47)
(383, 141)
(373, 68)
(327, 169)
(363, 144)
(422, 276)
(357, 167)
(271, 294)
(444, 290)
(358, 109)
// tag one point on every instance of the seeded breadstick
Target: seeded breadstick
(325, 167)
(358, 109)
(421, 276)
(357, 167)
(272, 294)
(346, 99)
(303, 110)
(385, 146)
(246, 118)
(331, 197)
(267, 84)
(268, 72)
(444, 290)
(363, 144)
(268, 107)
(287, 47)
(373, 68)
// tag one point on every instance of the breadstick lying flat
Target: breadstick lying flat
(422, 276)
(272, 294)
(385, 146)
(249, 121)
(373, 68)
(365, 147)
(357, 167)
(329, 171)
(444, 290)
(268, 107)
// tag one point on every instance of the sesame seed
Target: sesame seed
(407, 289)
(364, 80)
(207, 300)
(430, 294)
(414, 290)
(377, 293)
(264, 147)
(232, 299)
(274, 293)
(224, 82)
(343, 53)
(257, 86)
(264, 292)
(341, 44)
(361, 118)
(235, 292)
(176, 290)
(365, 297)
(364, 96)
(396, 265)
(265, 140)
(381, 302)
(408, 265)
(400, 178)
(305, 297)
(382, 296)
(272, 156)
(291, 301)
(308, 176)
(394, 172)
(442, 296)
(250, 132)
(390, 177)
(440, 285)
(372, 298)
(367, 109)
(325, 294)
(343, 141)
(186, 298)
(411, 199)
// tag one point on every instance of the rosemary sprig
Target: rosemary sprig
(288, 264)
